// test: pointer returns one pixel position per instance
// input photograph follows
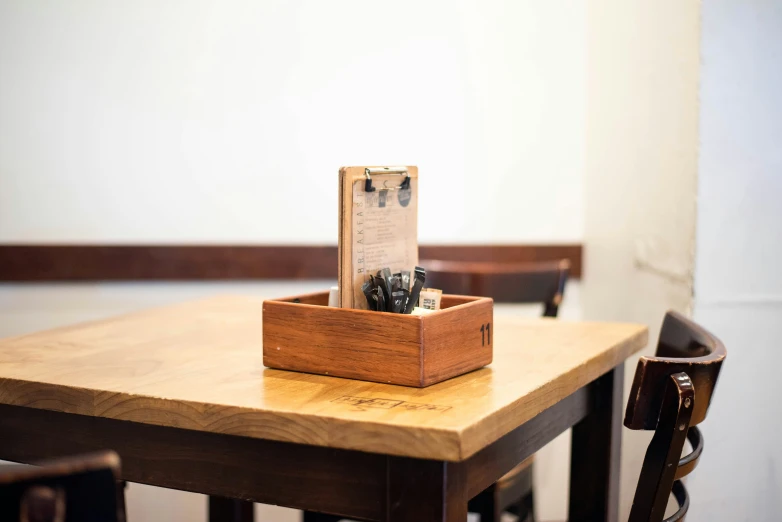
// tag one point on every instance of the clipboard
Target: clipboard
(378, 226)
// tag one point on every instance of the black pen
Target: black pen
(381, 300)
(387, 280)
(398, 301)
(420, 277)
(366, 289)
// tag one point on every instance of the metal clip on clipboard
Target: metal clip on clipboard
(402, 171)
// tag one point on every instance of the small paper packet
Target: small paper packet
(334, 296)
(430, 298)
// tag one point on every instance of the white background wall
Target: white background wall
(738, 290)
(206, 122)
(192, 121)
(640, 178)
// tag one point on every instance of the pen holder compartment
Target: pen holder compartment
(303, 334)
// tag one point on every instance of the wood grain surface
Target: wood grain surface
(303, 334)
(199, 366)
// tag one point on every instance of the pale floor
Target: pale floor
(28, 308)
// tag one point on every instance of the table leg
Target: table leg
(223, 509)
(425, 491)
(596, 451)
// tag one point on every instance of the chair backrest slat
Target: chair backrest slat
(503, 282)
(82, 488)
(686, 347)
(671, 393)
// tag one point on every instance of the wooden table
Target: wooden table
(182, 395)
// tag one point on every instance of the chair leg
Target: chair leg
(527, 508)
(311, 516)
(230, 510)
(121, 511)
(486, 506)
(524, 508)
(490, 513)
(523, 501)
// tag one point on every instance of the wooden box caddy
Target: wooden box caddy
(303, 334)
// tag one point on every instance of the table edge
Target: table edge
(449, 444)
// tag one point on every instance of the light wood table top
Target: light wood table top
(199, 366)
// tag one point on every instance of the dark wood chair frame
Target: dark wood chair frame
(506, 283)
(671, 393)
(81, 488)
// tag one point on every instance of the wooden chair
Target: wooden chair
(73, 489)
(505, 283)
(671, 393)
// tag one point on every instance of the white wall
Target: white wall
(177, 121)
(207, 122)
(641, 167)
(738, 289)
(186, 121)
